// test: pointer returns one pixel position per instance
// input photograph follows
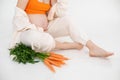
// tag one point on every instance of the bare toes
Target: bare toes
(109, 54)
(105, 54)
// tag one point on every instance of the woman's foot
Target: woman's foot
(99, 52)
(95, 51)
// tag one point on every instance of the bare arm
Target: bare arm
(22, 4)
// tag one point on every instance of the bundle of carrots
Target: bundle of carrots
(24, 54)
(54, 60)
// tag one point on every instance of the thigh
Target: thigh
(59, 27)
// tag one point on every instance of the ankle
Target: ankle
(90, 45)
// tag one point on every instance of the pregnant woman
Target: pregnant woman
(36, 28)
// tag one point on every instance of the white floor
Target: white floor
(100, 19)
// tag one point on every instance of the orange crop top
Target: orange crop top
(36, 7)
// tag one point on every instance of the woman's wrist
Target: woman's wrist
(40, 28)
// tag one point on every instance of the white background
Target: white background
(100, 19)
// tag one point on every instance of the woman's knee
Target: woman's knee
(44, 43)
(39, 41)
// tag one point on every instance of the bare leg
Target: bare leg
(96, 51)
(66, 28)
(68, 45)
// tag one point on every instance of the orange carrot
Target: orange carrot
(58, 55)
(52, 53)
(49, 65)
(55, 63)
(54, 58)
(64, 58)
(59, 61)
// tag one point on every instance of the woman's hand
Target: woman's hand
(44, 26)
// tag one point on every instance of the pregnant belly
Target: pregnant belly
(40, 20)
